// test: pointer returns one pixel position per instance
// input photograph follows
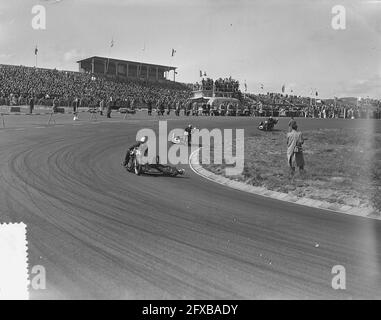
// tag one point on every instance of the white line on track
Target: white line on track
(190, 163)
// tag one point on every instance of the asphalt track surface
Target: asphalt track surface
(101, 232)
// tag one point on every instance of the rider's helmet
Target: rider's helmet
(189, 126)
(144, 139)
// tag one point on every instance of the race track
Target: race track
(101, 232)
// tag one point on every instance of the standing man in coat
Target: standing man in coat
(295, 157)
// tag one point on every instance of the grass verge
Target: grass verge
(342, 166)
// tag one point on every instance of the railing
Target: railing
(210, 93)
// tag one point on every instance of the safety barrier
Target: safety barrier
(15, 109)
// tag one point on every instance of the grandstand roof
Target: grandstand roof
(127, 61)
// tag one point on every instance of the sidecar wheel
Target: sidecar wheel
(137, 168)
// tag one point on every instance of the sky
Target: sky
(260, 42)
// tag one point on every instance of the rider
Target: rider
(138, 144)
(270, 120)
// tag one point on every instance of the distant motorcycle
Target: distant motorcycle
(184, 138)
(267, 125)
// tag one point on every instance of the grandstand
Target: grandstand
(126, 69)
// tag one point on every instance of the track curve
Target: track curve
(101, 232)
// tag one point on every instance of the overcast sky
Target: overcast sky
(265, 42)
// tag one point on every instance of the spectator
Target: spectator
(101, 107)
(76, 105)
(31, 104)
(55, 105)
(188, 133)
(109, 107)
(178, 107)
(149, 106)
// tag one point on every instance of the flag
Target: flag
(245, 86)
(112, 43)
(204, 74)
(200, 74)
(35, 51)
(316, 93)
(261, 85)
(283, 88)
(173, 52)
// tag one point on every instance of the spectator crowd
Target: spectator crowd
(226, 85)
(18, 84)
(279, 104)
(221, 85)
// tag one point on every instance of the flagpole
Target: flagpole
(109, 52)
(36, 54)
(171, 59)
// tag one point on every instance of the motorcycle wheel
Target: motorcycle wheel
(129, 166)
(173, 172)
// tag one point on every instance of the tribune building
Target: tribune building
(124, 69)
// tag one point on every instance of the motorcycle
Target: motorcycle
(267, 125)
(136, 166)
